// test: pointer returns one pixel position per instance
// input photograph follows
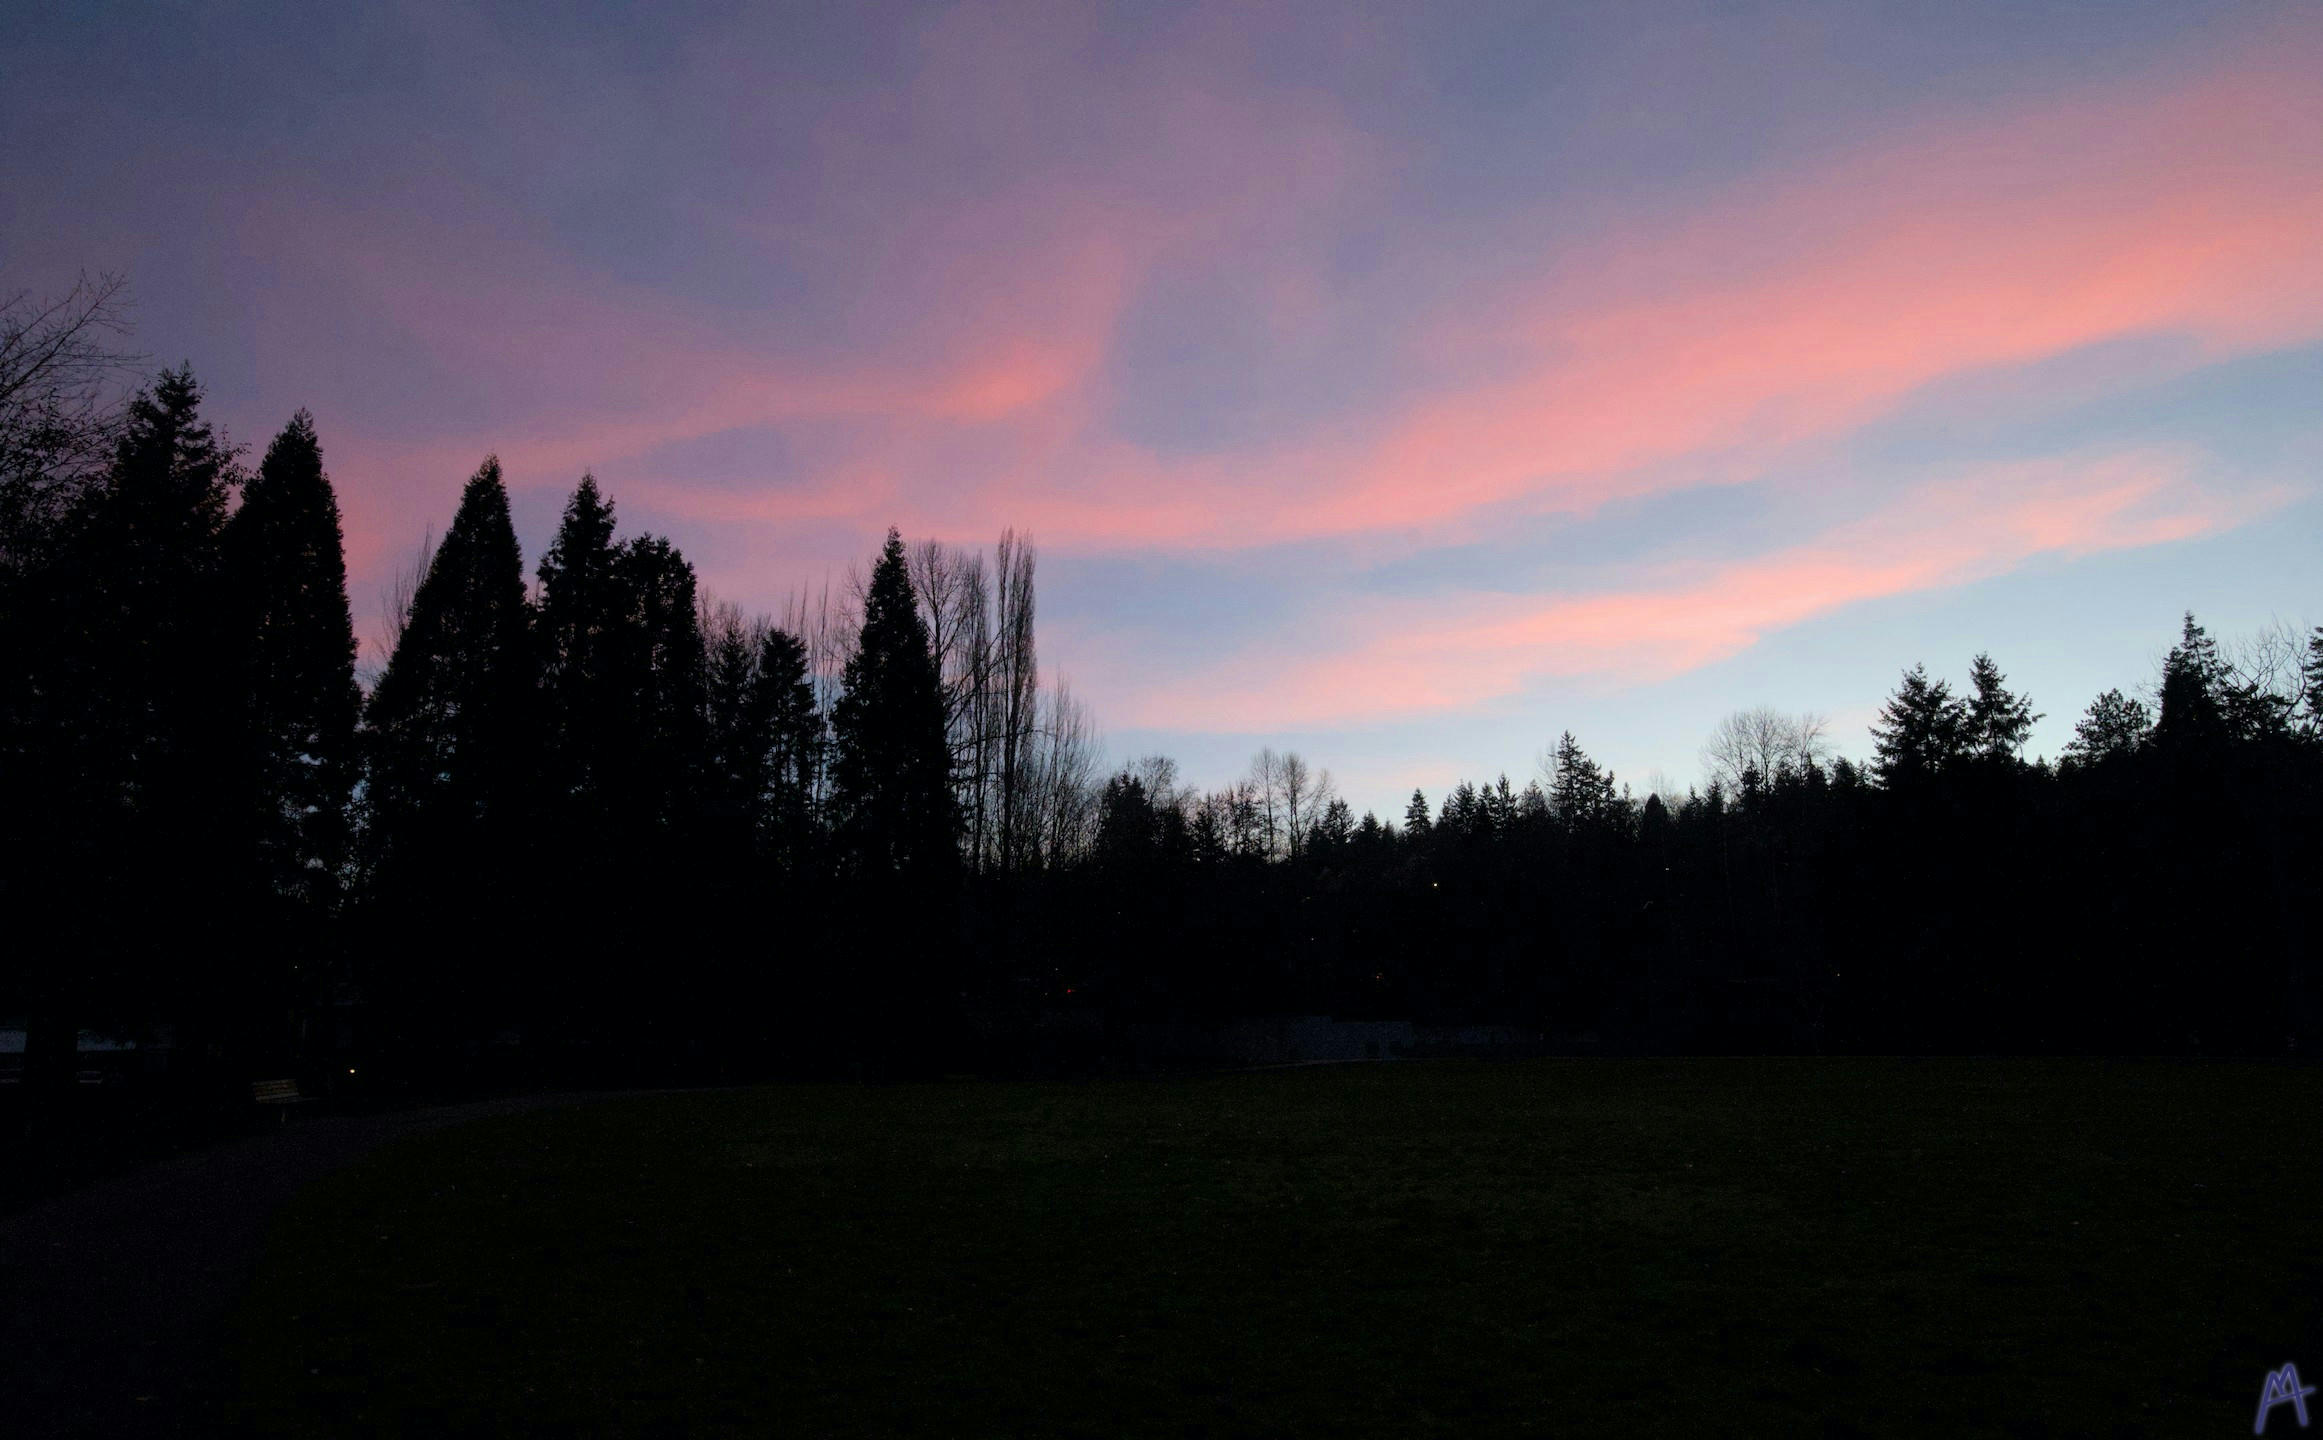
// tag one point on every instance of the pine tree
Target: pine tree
(1998, 722)
(1335, 829)
(579, 623)
(661, 682)
(1532, 807)
(289, 576)
(125, 747)
(1462, 815)
(2114, 728)
(2193, 694)
(1415, 816)
(796, 744)
(1580, 794)
(153, 556)
(2311, 688)
(891, 780)
(451, 723)
(1922, 730)
(737, 780)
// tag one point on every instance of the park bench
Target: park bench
(278, 1096)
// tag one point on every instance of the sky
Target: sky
(1402, 385)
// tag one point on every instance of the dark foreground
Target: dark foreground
(1772, 1247)
(113, 1297)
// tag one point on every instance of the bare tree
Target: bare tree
(2270, 661)
(395, 607)
(1658, 782)
(827, 625)
(1265, 787)
(1766, 741)
(1061, 810)
(1159, 775)
(1298, 800)
(61, 378)
(1016, 691)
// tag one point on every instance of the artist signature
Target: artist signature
(2282, 1388)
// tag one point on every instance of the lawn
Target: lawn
(1761, 1247)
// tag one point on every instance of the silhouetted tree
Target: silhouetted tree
(289, 574)
(451, 739)
(452, 720)
(2194, 687)
(891, 781)
(659, 665)
(1580, 795)
(583, 608)
(124, 713)
(1996, 721)
(2114, 728)
(1921, 731)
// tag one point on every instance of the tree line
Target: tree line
(588, 822)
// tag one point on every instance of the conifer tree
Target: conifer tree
(581, 614)
(662, 685)
(452, 720)
(740, 730)
(1415, 816)
(127, 755)
(289, 575)
(2311, 687)
(153, 560)
(1335, 829)
(891, 780)
(796, 743)
(2114, 728)
(1461, 815)
(2193, 693)
(1921, 732)
(1997, 721)
(1581, 794)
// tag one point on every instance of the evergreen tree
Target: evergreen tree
(582, 607)
(891, 780)
(1997, 722)
(451, 723)
(289, 574)
(797, 743)
(1462, 815)
(2115, 727)
(1334, 829)
(663, 696)
(737, 778)
(1415, 816)
(2193, 694)
(1580, 794)
(1921, 732)
(122, 707)
(2311, 688)
(1532, 807)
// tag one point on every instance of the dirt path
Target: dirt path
(112, 1298)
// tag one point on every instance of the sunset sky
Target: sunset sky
(1402, 385)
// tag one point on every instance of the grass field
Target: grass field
(1747, 1247)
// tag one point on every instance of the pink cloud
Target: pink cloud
(1691, 341)
(1793, 312)
(1701, 337)
(1384, 663)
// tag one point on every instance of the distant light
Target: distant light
(350, 1069)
